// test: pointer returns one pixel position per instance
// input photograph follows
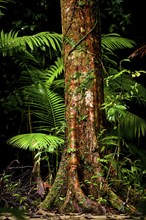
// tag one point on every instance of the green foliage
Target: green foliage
(41, 105)
(110, 44)
(2, 7)
(115, 13)
(120, 89)
(54, 71)
(48, 107)
(36, 141)
(18, 193)
(18, 214)
(122, 171)
(37, 94)
(124, 165)
(10, 43)
(45, 114)
(113, 41)
(44, 107)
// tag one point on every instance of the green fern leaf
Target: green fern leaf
(54, 71)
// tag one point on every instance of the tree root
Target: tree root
(66, 194)
(58, 189)
(80, 202)
(118, 204)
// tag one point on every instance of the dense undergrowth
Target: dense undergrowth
(19, 190)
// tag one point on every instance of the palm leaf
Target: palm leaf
(47, 106)
(3, 1)
(141, 52)
(111, 42)
(36, 141)
(132, 124)
(3, 7)
(11, 43)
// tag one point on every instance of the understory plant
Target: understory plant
(124, 172)
(123, 156)
(41, 105)
(16, 190)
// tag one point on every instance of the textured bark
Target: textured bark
(79, 180)
(84, 93)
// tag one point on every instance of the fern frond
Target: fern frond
(109, 140)
(8, 43)
(59, 83)
(25, 61)
(53, 40)
(54, 71)
(36, 141)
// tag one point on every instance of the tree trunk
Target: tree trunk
(79, 183)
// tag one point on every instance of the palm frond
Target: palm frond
(36, 141)
(47, 106)
(2, 2)
(1, 6)
(141, 51)
(135, 124)
(130, 124)
(114, 41)
(8, 43)
(11, 43)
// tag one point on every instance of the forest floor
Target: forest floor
(72, 216)
(22, 187)
(90, 217)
